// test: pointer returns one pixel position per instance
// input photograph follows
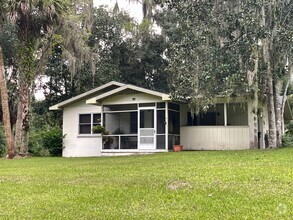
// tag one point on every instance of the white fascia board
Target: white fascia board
(165, 97)
(78, 97)
(54, 108)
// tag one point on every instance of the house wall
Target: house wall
(215, 137)
(76, 145)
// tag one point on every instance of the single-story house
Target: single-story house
(139, 120)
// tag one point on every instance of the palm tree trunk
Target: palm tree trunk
(5, 108)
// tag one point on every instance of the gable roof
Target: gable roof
(163, 96)
(106, 86)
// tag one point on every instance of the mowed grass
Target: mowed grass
(185, 185)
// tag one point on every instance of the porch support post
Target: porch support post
(102, 124)
(225, 114)
(166, 125)
(102, 116)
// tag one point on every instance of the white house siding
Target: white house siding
(215, 137)
(76, 145)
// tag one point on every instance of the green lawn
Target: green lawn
(184, 185)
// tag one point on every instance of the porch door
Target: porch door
(147, 128)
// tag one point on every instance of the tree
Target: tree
(228, 48)
(127, 51)
(35, 22)
(4, 92)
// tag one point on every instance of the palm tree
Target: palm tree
(35, 21)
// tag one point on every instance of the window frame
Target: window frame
(91, 123)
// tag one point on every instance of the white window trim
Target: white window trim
(91, 124)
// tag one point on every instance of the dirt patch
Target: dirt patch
(178, 184)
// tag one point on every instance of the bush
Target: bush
(48, 142)
(288, 137)
(98, 129)
(3, 149)
(53, 141)
(36, 145)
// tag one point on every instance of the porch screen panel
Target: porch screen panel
(161, 122)
(174, 122)
(146, 140)
(161, 141)
(146, 119)
(146, 132)
(161, 130)
(213, 116)
(237, 114)
(121, 122)
(117, 108)
(128, 142)
(122, 127)
(174, 128)
(147, 128)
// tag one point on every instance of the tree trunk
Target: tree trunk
(18, 129)
(22, 128)
(278, 108)
(5, 108)
(271, 108)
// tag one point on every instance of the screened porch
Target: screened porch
(141, 126)
(223, 126)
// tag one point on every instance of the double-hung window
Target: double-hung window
(87, 121)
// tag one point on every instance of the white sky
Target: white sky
(133, 8)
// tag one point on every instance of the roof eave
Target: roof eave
(55, 108)
(60, 105)
(96, 100)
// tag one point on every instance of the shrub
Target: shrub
(47, 142)
(36, 145)
(3, 149)
(288, 137)
(98, 129)
(53, 141)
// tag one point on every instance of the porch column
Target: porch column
(166, 126)
(102, 116)
(225, 114)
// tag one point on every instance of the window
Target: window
(87, 121)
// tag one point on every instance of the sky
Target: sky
(134, 9)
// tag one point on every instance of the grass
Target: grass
(185, 185)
